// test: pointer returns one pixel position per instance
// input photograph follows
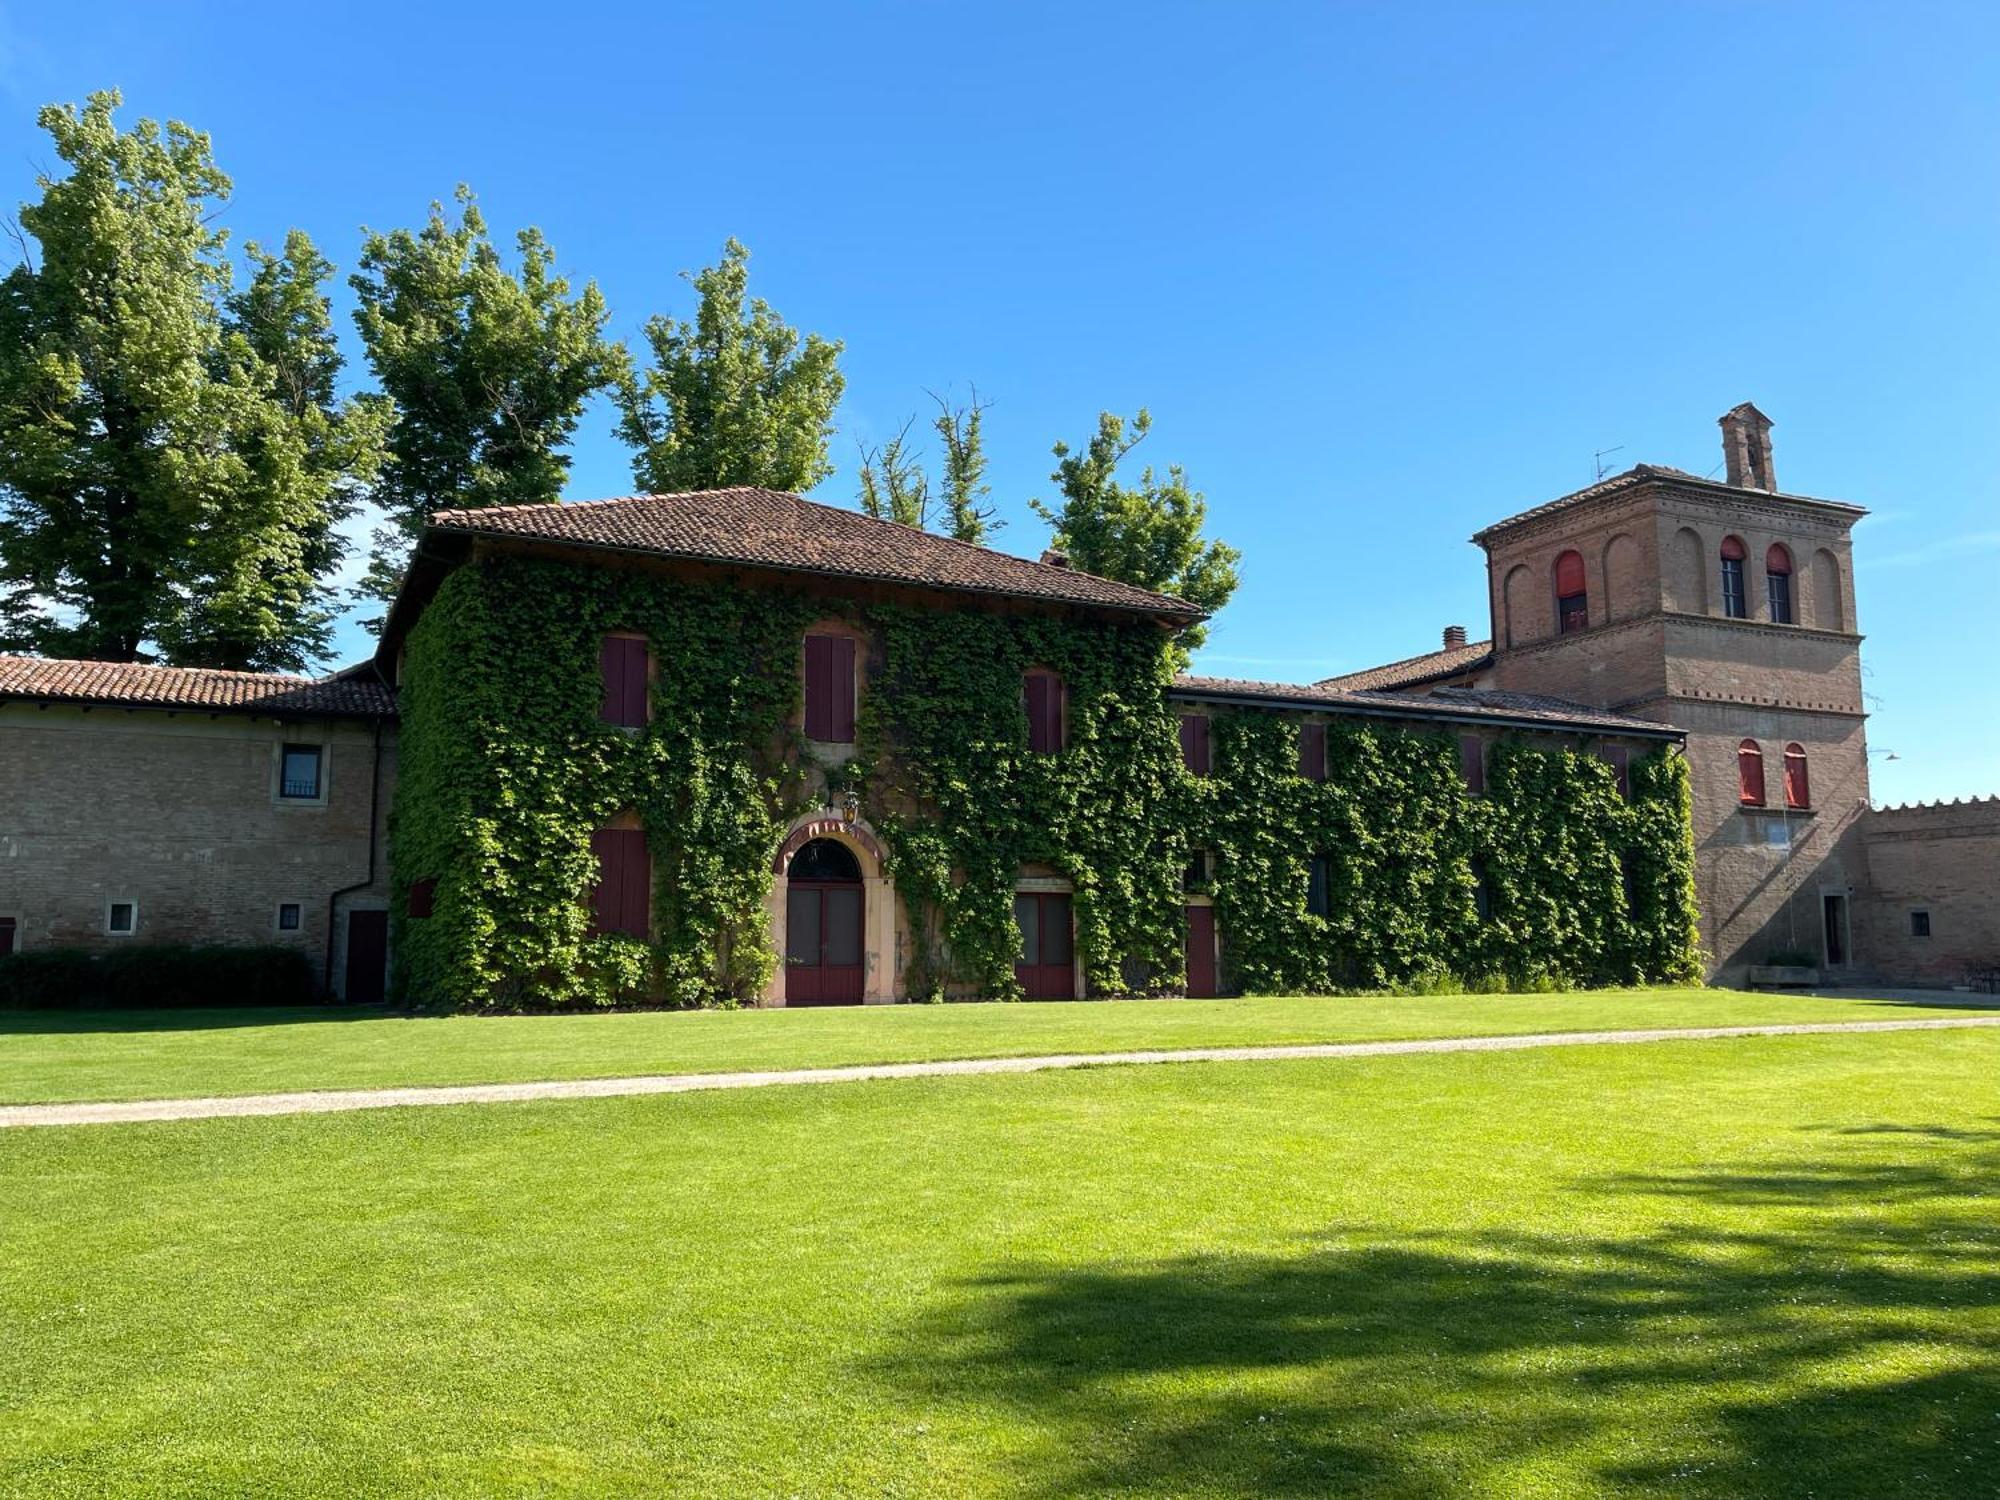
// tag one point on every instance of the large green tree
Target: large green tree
(488, 369)
(737, 396)
(1148, 534)
(894, 486)
(173, 458)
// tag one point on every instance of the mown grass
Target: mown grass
(137, 1055)
(1738, 1268)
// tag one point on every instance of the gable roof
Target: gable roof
(134, 684)
(1531, 710)
(1413, 671)
(768, 529)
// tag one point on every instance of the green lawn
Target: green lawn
(137, 1055)
(1739, 1268)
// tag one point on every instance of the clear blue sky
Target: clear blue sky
(1383, 274)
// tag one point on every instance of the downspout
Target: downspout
(374, 810)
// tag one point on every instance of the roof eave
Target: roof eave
(1637, 729)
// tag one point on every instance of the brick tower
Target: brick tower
(1728, 610)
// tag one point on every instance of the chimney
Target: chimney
(1055, 558)
(1454, 637)
(1746, 445)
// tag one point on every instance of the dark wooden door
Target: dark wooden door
(1046, 966)
(823, 947)
(367, 957)
(1201, 952)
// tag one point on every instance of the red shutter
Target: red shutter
(621, 901)
(422, 897)
(1472, 763)
(1732, 550)
(1312, 751)
(1778, 560)
(1798, 790)
(1569, 575)
(830, 689)
(1194, 743)
(621, 663)
(1750, 773)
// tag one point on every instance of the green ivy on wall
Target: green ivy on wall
(505, 770)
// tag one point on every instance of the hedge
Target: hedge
(155, 976)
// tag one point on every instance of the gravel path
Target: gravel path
(328, 1101)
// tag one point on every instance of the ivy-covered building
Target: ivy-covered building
(741, 746)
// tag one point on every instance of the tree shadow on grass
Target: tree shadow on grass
(1825, 1328)
(215, 1018)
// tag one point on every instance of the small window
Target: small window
(8, 935)
(121, 918)
(289, 916)
(1482, 892)
(1043, 696)
(621, 902)
(1472, 763)
(1920, 924)
(1312, 751)
(1317, 880)
(423, 896)
(1194, 876)
(622, 667)
(830, 689)
(1750, 773)
(1798, 788)
(1194, 743)
(1777, 832)
(1572, 595)
(299, 773)
(1620, 761)
(1628, 878)
(1778, 582)
(1734, 601)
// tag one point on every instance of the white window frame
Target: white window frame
(112, 905)
(278, 917)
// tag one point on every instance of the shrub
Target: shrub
(155, 976)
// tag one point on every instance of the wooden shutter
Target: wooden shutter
(1750, 773)
(423, 895)
(1569, 575)
(1312, 751)
(1043, 694)
(1798, 789)
(1194, 743)
(621, 901)
(830, 689)
(621, 663)
(1620, 761)
(1472, 763)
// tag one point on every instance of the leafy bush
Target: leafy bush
(155, 976)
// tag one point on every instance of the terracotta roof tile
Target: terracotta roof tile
(1453, 703)
(1640, 474)
(764, 528)
(1412, 671)
(138, 685)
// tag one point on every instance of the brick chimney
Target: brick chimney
(1746, 444)
(1454, 637)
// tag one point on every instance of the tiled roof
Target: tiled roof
(1640, 474)
(1412, 671)
(137, 685)
(1451, 703)
(763, 528)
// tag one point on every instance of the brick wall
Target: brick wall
(179, 813)
(1942, 860)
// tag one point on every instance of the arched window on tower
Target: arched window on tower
(1778, 582)
(1798, 790)
(1572, 597)
(1750, 773)
(1734, 601)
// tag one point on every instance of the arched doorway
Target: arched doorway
(824, 952)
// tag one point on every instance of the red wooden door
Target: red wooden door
(823, 948)
(1201, 952)
(367, 957)
(1046, 966)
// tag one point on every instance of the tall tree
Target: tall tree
(488, 370)
(159, 489)
(1148, 534)
(736, 396)
(895, 487)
